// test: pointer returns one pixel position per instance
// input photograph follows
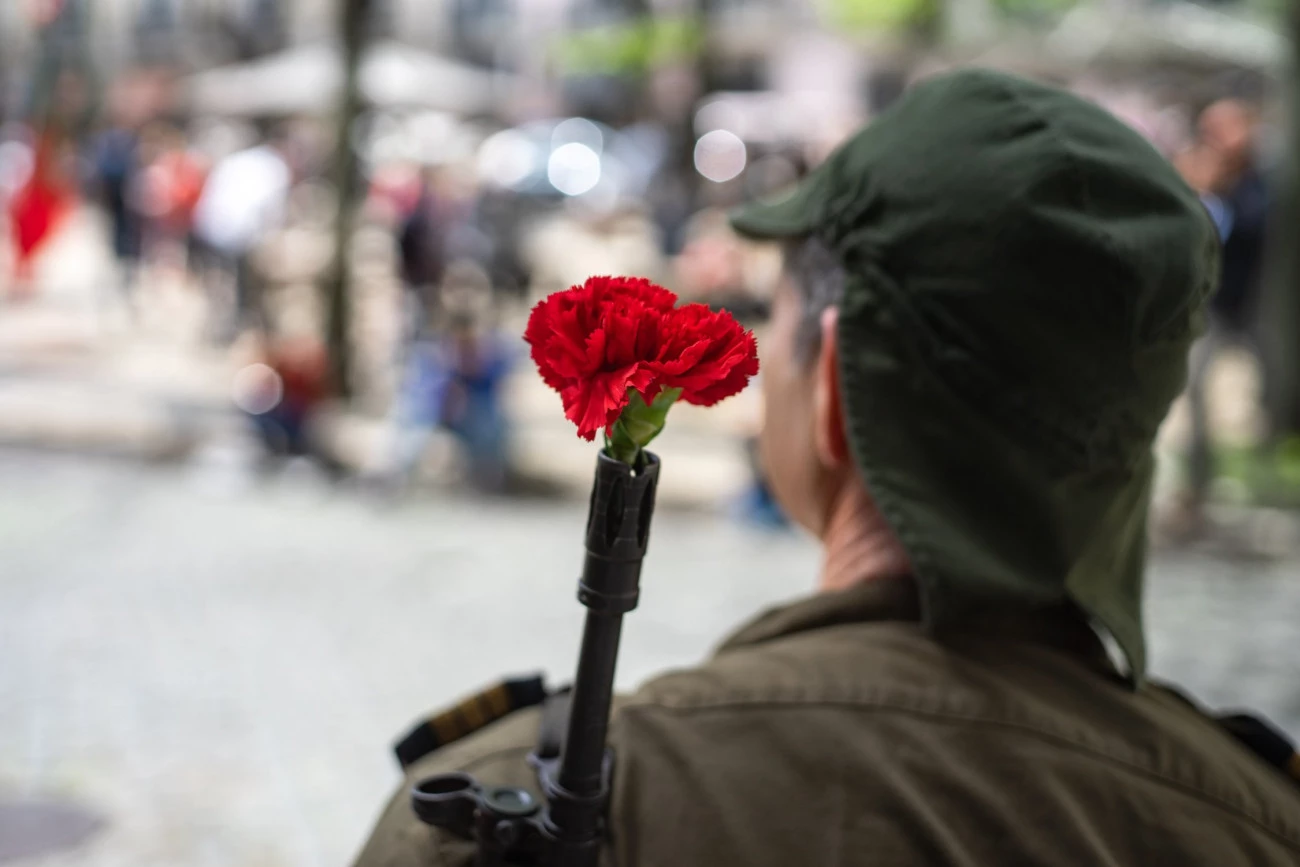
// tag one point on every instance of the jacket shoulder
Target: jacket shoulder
(892, 725)
(496, 754)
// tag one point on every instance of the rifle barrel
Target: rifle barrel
(618, 529)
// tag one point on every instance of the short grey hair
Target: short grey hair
(818, 278)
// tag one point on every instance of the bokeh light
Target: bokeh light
(720, 155)
(573, 169)
(578, 130)
(257, 388)
(507, 158)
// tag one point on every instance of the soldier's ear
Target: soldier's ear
(829, 433)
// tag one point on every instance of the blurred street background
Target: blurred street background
(277, 476)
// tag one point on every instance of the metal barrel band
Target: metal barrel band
(610, 593)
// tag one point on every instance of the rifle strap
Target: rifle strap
(468, 716)
(1264, 740)
(1253, 732)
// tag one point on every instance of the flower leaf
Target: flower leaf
(639, 424)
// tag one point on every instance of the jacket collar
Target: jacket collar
(881, 599)
(898, 600)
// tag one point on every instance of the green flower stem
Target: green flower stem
(627, 452)
(638, 424)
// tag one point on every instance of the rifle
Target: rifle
(566, 830)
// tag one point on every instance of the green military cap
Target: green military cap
(1025, 276)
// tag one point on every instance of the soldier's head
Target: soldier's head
(803, 447)
(989, 295)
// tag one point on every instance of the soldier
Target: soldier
(989, 298)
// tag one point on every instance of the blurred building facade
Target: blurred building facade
(114, 35)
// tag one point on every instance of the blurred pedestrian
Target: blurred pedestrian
(712, 269)
(757, 504)
(282, 389)
(243, 201)
(454, 381)
(1222, 166)
(474, 410)
(171, 185)
(115, 163)
(421, 246)
(38, 208)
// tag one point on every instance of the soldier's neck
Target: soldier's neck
(857, 544)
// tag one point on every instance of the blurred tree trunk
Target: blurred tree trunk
(1281, 303)
(681, 194)
(353, 31)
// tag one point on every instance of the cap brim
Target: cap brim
(791, 214)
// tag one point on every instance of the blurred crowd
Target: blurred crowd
(471, 219)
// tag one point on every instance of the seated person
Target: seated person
(989, 297)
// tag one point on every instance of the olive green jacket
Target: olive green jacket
(835, 731)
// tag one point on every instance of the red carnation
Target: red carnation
(619, 353)
(592, 343)
(707, 355)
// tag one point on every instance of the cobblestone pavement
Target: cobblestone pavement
(216, 667)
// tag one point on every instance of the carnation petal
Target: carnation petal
(595, 342)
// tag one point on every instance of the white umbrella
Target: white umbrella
(307, 79)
